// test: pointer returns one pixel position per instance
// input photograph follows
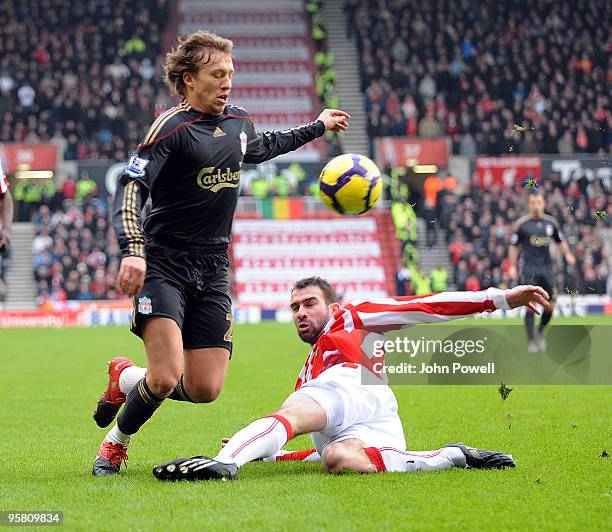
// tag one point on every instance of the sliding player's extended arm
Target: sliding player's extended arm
(388, 314)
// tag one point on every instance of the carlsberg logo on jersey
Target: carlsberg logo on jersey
(214, 179)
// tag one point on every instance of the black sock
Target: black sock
(179, 393)
(529, 324)
(546, 317)
(140, 405)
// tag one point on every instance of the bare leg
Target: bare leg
(205, 371)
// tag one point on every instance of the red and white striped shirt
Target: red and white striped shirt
(346, 334)
(3, 182)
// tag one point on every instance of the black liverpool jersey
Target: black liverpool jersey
(534, 236)
(189, 164)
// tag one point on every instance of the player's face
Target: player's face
(310, 312)
(209, 89)
(536, 205)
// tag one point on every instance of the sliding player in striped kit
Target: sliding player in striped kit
(353, 426)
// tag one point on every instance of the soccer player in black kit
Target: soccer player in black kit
(532, 236)
(174, 263)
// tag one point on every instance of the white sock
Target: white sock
(129, 377)
(393, 460)
(264, 437)
(116, 436)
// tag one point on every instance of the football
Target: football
(350, 184)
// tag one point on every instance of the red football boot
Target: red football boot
(108, 461)
(110, 403)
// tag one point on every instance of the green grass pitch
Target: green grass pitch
(50, 381)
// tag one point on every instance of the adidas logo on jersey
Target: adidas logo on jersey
(218, 132)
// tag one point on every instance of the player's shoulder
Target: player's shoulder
(551, 219)
(235, 111)
(522, 220)
(167, 122)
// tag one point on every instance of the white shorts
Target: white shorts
(354, 410)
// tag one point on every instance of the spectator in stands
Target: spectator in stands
(68, 189)
(438, 277)
(420, 282)
(478, 246)
(402, 278)
(85, 187)
(54, 83)
(76, 255)
(42, 242)
(473, 70)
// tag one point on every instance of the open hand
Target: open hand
(528, 296)
(5, 240)
(334, 120)
(131, 275)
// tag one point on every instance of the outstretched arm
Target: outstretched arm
(265, 146)
(388, 314)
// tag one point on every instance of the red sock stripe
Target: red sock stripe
(285, 423)
(376, 458)
(296, 456)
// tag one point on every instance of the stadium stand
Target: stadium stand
(63, 80)
(96, 99)
(270, 255)
(76, 256)
(471, 70)
(479, 226)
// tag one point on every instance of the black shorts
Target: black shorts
(191, 288)
(544, 279)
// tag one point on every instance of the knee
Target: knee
(162, 384)
(204, 394)
(336, 458)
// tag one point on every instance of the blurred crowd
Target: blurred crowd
(476, 70)
(479, 224)
(65, 81)
(76, 255)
